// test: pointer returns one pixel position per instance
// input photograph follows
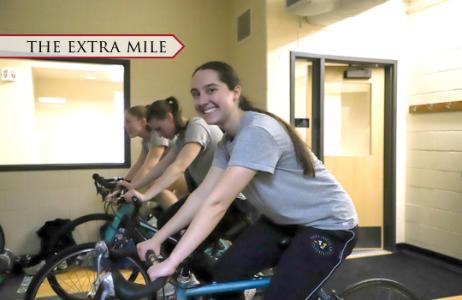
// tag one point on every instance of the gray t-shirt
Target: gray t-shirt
(207, 136)
(154, 141)
(279, 190)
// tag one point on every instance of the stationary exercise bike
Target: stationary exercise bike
(6, 258)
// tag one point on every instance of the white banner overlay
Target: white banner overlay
(90, 46)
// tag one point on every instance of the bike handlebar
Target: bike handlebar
(129, 290)
(151, 257)
(105, 186)
(110, 184)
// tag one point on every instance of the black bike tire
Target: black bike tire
(376, 283)
(46, 272)
(2, 240)
(70, 227)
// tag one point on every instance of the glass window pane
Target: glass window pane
(302, 97)
(347, 119)
(62, 113)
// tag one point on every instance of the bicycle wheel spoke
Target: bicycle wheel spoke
(380, 289)
(75, 281)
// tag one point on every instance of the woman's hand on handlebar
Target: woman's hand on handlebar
(163, 269)
(151, 244)
(110, 197)
(124, 184)
(113, 197)
(134, 193)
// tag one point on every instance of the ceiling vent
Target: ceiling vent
(243, 26)
(329, 11)
(310, 8)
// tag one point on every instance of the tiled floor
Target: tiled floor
(421, 274)
(358, 253)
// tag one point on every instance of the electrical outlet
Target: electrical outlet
(8, 74)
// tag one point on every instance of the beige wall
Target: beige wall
(434, 146)
(248, 57)
(27, 199)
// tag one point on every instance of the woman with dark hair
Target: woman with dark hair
(297, 197)
(192, 149)
(153, 147)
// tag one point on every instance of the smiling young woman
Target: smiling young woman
(295, 194)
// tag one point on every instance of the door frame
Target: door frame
(389, 182)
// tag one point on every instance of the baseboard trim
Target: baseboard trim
(453, 261)
(369, 237)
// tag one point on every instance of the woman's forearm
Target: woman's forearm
(142, 172)
(201, 226)
(154, 173)
(181, 219)
(149, 162)
(215, 203)
(171, 174)
(131, 174)
(145, 180)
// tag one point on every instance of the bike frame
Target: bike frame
(182, 293)
(125, 209)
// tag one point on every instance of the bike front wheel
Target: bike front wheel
(83, 229)
(378, 288)
(71, 273)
